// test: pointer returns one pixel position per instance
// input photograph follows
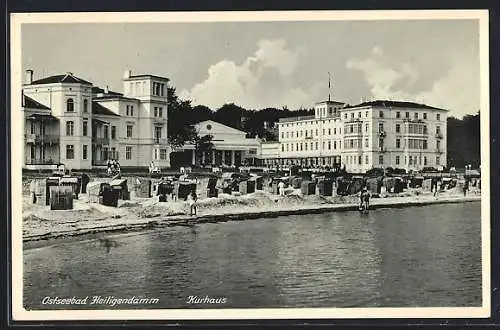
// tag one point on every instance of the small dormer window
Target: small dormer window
(70, 105)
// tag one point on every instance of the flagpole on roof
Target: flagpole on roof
(329, 87)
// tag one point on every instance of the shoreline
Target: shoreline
(221, 215)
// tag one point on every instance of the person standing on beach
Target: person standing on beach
(281, 188)
(192, 203)
(466, 187)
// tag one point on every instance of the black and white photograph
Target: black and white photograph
(242, 165)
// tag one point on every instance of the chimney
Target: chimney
(106, 90)
(127, 74)
(29, 77)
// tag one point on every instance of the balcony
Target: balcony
(42, 138)
(160, 141)
(35, 161)
(439, 135)
(100, 140)
(382, 149)
(382, 133)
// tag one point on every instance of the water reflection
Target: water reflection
(421, 256)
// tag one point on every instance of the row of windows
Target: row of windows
(408, 160)
(357, 128)
(305, 146)
(158, 89)
(70, 130)
(162, 153)
(310, 133)
(70, 152)
(130, 110)
(305, 123)
(381, 114)
(158, 112)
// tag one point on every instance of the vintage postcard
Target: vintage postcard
(250, 165)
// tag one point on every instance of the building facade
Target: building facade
(377, 134)
(70, 121)
(230, 146)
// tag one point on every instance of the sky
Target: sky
(272, 64)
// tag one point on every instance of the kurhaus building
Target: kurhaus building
(70, 121)
(376, 134)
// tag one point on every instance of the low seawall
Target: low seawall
(186, 220)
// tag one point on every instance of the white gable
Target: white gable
(218, 130)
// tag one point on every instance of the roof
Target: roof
(98, 109)
(67, 78)
(147, 76)
(329, 101)
(42, 117)
(396, 104)
(32, 104)
(98, 90)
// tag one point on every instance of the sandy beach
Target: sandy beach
(41, 223)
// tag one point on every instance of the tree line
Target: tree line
(463, 135)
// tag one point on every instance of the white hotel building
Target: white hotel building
(70, 121)
(376, 134)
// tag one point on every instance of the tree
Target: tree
(203, 145)
(180, 130)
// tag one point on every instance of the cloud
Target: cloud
(264, 79)
(457, 91)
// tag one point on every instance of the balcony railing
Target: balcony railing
(382, 133)
(35, 161)
(42, 138)
(439, 135)
(382, 149)
(100, 140)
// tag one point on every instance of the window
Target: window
(128, 152)
(345, 115)
(366, 114)
(334, 144)
(85, 127)
(352, 115)
(163, 154)
(329, 145)
(113, 132)
(381, 159)
(381, 143)
(282, 133)
(157, 132)
(156, 114)
(305, 146)
(398, 143)
(301, 147)
(32, 128)
(85, 105)
(316, 145)
(367, 160)
(32, 152)
(316, 132)
(335, 130)
(438, 117)
(438, 129)
(407, 115)
(132, 110)
(366, 143)
(359, 114)
(329, 131)
(282, 147)
(425, 115)
(425, 160)
(128, 110)
(398, 114)
(359, 160)
(416, 115)
(70, 105)
(424, 144)
(397, 160)
(70, 128)
(381, 114)
(129, 131)
(398, 128)
(106, 132)
(366, 127)
(70, 151)
(438, 144)
(438, 160)
(380, 127)
(85, 151)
